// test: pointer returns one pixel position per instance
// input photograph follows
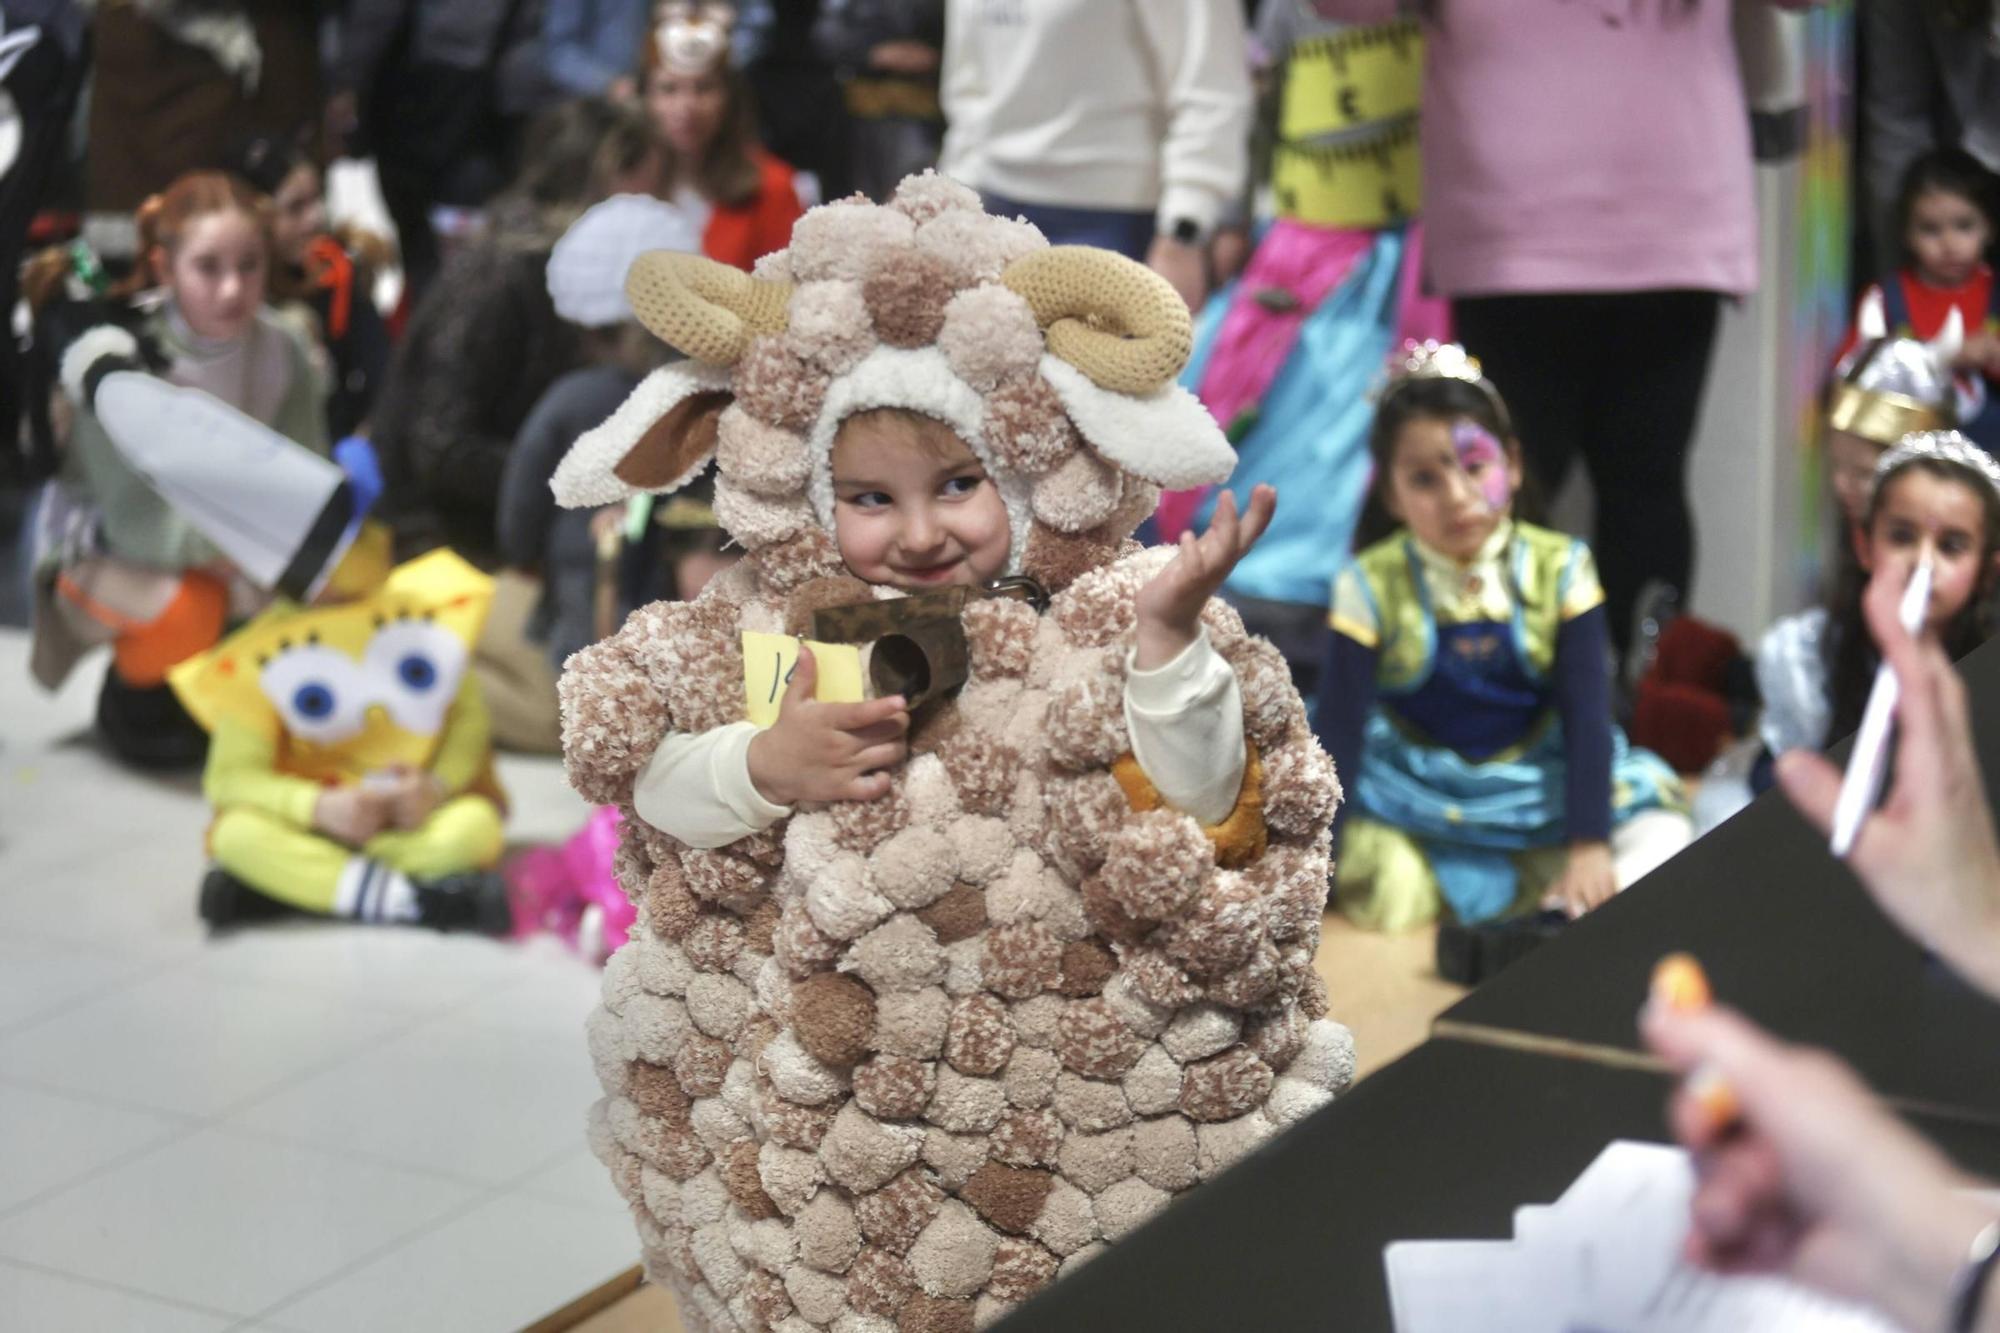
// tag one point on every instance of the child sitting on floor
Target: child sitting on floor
(117, 562)
(350, 760)
(1466, 699)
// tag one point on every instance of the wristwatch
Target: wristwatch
(1187, 231)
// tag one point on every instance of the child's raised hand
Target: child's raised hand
(350, 815)
(1170, 605)
(824, 751)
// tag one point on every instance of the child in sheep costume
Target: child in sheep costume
(894, 1063)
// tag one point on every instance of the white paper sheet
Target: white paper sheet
(1603, 1258)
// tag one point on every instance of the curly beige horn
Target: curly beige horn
(708, 310)
(1115, 320)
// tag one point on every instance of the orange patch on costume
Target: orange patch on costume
(1239, 839)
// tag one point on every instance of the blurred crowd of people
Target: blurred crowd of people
(1323, 181)
(1539, 223)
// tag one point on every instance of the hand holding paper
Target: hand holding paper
(823, 746)
(1606, 1255)
(1813, 1179)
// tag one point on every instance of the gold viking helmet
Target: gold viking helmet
(1887, 387)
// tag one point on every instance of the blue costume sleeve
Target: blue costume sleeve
(1346, 694)
(1583, 697)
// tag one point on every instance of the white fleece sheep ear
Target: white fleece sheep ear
(658, 439)
(1166, 437)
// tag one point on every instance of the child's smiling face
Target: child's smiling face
(1451, 481)
(912, 507)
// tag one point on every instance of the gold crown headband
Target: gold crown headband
(1433, 360)
(692, 38)
(1938, 446)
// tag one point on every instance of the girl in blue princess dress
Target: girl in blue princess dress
(1466, 693)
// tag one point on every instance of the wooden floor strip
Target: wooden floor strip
(1617, 1057)
(590, 1303)
(1563, 1048)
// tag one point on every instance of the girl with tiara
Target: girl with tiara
(1886, 389)
(1466, 695)
(1937, 494)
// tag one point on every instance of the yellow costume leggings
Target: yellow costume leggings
(304, 868)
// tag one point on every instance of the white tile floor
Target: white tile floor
(304, 1127)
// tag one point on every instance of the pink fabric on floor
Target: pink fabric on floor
(569, 891)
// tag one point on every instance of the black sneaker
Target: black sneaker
(476, 901)
(146, 727)
(1469, 955)
(227, 901)
(1459, 953)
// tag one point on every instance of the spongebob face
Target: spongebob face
(352, 688)
(410, 668)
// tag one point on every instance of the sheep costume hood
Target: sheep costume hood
(896, 1064)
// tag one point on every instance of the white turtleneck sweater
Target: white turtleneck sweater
(1134, 105)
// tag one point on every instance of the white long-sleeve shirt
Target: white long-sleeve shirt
(1114, 104)
(1184, 719)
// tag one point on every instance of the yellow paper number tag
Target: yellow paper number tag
(768, 660)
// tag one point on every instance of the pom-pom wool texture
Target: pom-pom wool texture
(897, 1064)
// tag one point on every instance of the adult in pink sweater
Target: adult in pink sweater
(1587, 203)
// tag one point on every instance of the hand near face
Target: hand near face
(1928, 855)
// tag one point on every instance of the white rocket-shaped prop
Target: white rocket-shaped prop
(283, 515)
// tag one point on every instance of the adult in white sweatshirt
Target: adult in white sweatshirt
(1118, 123)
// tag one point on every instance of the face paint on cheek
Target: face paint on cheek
(1475, 446)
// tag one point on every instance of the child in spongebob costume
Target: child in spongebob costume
(895, 1063)
(350, 761)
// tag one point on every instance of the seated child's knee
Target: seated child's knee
(1383, 880)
